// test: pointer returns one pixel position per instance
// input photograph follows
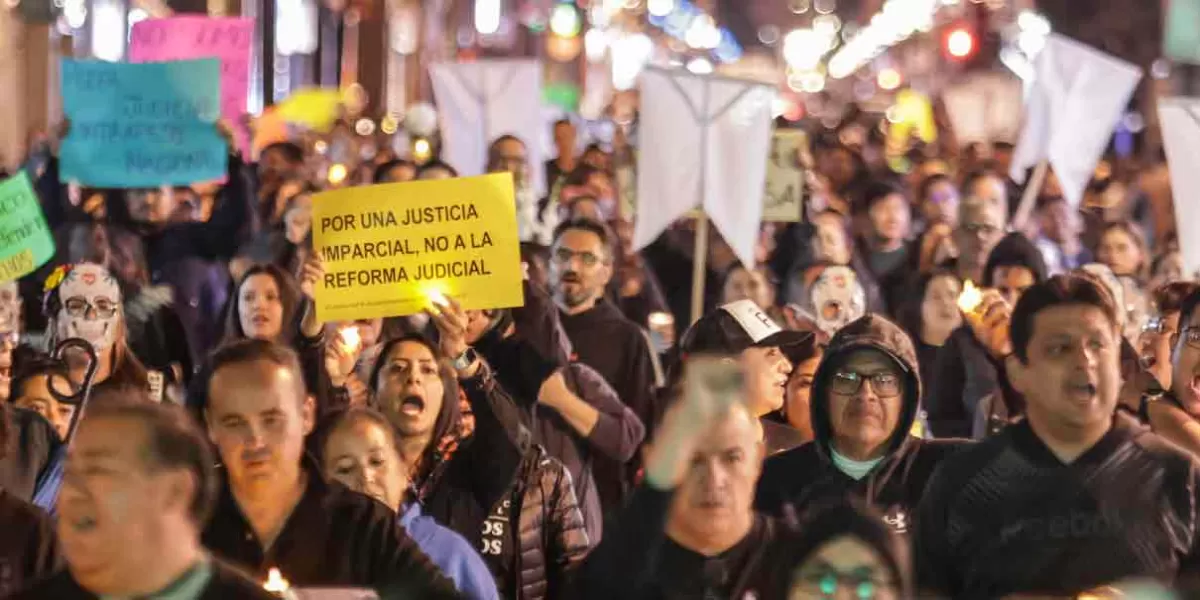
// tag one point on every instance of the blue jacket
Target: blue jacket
(451, 553)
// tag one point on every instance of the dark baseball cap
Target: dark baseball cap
(735, 327)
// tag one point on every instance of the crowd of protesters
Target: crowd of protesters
(839, 424)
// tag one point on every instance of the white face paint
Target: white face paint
(836, 298)
(91, 306)
(10, 306)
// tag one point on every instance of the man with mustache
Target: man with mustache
(602, 338)
(275, 509)
(865, 398)
(1073, 496)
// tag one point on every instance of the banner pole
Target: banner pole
(1029, 198)
(699, 266)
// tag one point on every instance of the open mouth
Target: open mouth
(412, 405)
(1081, 390)
(259, 320)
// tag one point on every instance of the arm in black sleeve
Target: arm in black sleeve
(945, 406)
(501, 436)
(51, 193)
(624, 564)
(618, 431)
(233, 220)
(640, 393)
(934, 560)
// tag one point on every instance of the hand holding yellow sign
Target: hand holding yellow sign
(389, 249)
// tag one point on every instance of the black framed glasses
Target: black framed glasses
(77, 306)
(589, 259)
(848, 383)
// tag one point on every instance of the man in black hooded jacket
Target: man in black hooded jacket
(865, 399)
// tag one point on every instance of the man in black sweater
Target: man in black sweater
(602, 338)
(865, 398)
(274, 508)
(689, 530)
(140, 484)
(1072, 497)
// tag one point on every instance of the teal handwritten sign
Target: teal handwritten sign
(142, 125)
(25, 240)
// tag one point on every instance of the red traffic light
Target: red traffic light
(960, 43)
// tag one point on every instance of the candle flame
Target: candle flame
(970, 298)
(275, 582)
(337, 174)
(350, 338)
(661, 319)
(438, 298)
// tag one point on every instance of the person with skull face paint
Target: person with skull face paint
(84, 301)
(865, 399)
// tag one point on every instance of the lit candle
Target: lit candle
(275, 583)
(438, 298)
(337, 174)
(970, 298)
(350, 338)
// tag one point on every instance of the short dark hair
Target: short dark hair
(382, 171)
(1169, 297)
(434, 165)
(589, 225)
(291, 151)
(878, 190)
(173, 441)
(1060, 290)
(1187, 308)
(250, 350)
(928, 182)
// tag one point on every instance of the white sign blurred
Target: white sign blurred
(1078, 95)
(1180, 119)
(704, 141)
(481, 101)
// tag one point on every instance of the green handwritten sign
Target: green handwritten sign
(25, 240)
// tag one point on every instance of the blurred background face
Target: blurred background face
(1011, 282)
(844, 568)
(361, 455)
(1120, 252)
(10, 333)
(939, 308)
(297, 220)
(260, 307)
(435, 174)
(400, 173)
(980, 227)
(990, 189)
(410, 391)
(890, 218)
(1186, 362)
(830, 243)
(718, 491)
(152, 205)
(580, 268)
(1155, 344)
(1060, 222)
(865, 418)
(510, 156)
(941, 203)
(744, 284)
(799, 395)
(110, 506)
(35, 395)
(257, 418)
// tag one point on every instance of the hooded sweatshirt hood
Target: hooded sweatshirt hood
(869, 332)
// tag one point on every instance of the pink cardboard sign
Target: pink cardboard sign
(189, 37)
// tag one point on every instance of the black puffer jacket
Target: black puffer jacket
(551, 533)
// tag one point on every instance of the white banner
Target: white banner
(1180, 119)
(1078, 95)
(704, 141)
(481, 101)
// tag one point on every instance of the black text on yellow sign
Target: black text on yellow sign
(389, 248)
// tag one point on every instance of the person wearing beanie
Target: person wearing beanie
(967, 373)
(865, 398)
(837, 548)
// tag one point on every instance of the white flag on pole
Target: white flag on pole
(704, 141)
(1180, 119)
(1078, 95)
(481, 101)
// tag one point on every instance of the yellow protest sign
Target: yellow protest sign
(388, 248)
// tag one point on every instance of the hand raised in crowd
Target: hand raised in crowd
(341, 354)
(457, 330)
(990, 322)
(311, 275)
(711, 386)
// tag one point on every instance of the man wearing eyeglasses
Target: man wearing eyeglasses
(982, 222)
(1175, 414)
(865, 399)
(581, 265)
